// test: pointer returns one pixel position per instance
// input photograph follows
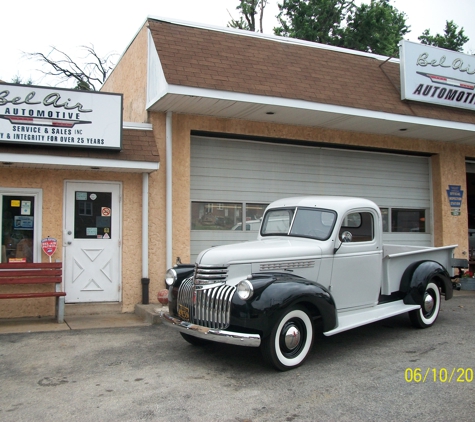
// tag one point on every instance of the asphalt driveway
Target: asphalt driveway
(385, 371)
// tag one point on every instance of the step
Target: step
(72, 309)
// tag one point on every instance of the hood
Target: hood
(276, 248)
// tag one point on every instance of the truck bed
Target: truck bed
(396, 258)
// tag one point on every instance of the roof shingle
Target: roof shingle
(226, 61)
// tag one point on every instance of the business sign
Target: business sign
(438, 76)
(455, 195)
(59, 117)
(49, 245)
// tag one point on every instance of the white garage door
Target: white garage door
(232, 180)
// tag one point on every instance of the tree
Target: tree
(376, 28)
(313, 20)
(451, 40)
(248, 10)
(88, 77)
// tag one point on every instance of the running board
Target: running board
(352, 319)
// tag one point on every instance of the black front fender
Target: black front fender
(275, 292)
(183, 271)
(416, 277)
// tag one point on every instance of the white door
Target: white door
(357, 264)
(92, 242)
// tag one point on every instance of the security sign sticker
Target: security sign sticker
(105, 212)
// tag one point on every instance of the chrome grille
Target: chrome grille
(210, 274)
(211, 307)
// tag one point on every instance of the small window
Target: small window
(215, 216)
(402, 220)
(92, 215)
(359, 226)
(408, 220)
(18, 228)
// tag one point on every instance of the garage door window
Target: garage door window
(402, 220)
(215, 215)
(226, 216)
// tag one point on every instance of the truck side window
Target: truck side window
(360, 225)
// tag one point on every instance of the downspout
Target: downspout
(145, 278)
(169, 197)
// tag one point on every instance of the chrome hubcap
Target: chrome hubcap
(428, 303)
(292, 338)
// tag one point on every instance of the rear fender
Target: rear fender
(416, 277)
(275, 292)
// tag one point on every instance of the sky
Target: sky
(110, 25)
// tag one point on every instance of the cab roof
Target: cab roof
(340, 204)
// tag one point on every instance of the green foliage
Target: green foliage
(313, 20)
(451, 40)
(376, 28)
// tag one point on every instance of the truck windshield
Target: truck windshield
(308, 222)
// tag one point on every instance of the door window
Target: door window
(92, 215)
(357, 227)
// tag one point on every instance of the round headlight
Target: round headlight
(245, 289)
(170, 277)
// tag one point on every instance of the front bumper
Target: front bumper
(220, 336)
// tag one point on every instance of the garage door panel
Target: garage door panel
(243, 171)
(248, 154)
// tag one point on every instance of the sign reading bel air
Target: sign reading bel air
(437, 76)
(60, 117)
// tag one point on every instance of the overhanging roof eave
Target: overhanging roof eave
(76, 163)
(192, 100)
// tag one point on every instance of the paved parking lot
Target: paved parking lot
(385, 371)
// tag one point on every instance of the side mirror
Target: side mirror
(346, 237)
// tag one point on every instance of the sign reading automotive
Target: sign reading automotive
(437, 76)
(59, 117)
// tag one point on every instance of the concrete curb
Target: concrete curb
(150, 313)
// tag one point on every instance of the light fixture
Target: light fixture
(270, 113)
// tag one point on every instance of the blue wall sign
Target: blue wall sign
(455, 195)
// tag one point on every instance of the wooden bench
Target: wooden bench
(34, 273)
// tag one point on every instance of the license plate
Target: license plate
(183, 312)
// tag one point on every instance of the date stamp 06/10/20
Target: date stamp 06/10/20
(441, 375)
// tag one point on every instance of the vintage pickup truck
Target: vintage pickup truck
(318, 262)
